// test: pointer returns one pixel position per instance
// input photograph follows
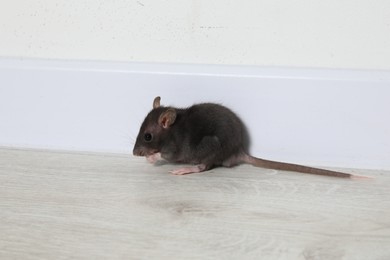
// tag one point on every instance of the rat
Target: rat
(206, 136)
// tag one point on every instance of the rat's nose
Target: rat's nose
(137, 152)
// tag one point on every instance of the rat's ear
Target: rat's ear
(167, 118)
(156, 102)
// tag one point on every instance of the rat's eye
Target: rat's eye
(148, 137)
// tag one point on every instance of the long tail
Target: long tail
(297, 168)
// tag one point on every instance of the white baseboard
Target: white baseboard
(322, 117)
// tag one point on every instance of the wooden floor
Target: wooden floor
(57, 205)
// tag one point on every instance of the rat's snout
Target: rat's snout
(138, 152)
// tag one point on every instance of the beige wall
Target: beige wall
(333, 33)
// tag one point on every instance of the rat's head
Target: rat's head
(154, 129)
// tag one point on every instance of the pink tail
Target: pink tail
(297, 168)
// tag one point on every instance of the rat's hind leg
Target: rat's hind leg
(205, 156)
(233, 160)
(208, 151)
(190, 169)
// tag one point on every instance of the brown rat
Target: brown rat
(205, 135)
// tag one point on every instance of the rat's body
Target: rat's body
(205, 135)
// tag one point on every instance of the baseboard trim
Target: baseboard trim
(336, 118)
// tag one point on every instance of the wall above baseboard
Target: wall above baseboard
(331, 34)
(318, 117)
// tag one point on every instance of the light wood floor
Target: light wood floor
(57, 205)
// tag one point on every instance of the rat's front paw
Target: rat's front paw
(153, 158)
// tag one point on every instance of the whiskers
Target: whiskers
(126, 139)
(128, 134)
